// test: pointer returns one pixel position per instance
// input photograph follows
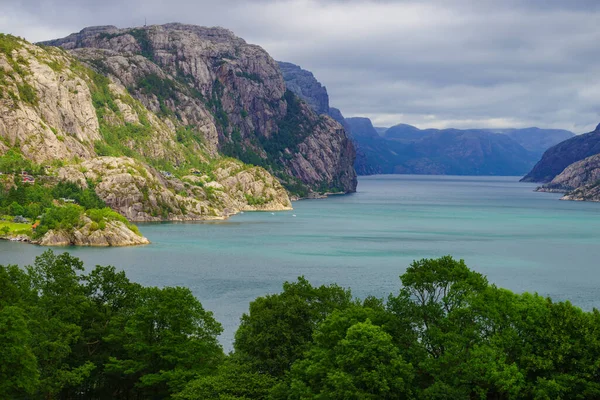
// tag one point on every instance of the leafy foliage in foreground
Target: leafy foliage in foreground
(72, 335)
(447, 334)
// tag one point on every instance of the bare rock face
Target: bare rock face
(115, 233)
(230, 91)
(46, 110)
(580, 181)
(304, 84)
(141, 193)
(323, 158)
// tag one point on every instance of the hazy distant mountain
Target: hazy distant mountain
(538, 140)
(407, 149)
(381, 130)
(533, 139)
(449, 152)
(362, 127)
(404, 132)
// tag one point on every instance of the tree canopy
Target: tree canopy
(69, 333)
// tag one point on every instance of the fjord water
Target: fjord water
(522, 240)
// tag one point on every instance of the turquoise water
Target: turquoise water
(521, 240)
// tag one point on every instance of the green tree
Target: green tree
(232, 380)
(364, 364)
(279, 327)
(19, 374)
(55, 314)
(168, 340)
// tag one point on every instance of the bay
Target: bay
(520, 239)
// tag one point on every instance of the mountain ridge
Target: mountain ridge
(233, 92)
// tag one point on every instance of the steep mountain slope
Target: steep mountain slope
(63, 121)
(560, 156)
(229, 92)
(304, 84)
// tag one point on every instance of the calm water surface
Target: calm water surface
(522, 240)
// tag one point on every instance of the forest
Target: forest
(69, 332)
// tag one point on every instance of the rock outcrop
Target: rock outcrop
(115, 233)
(560, 156)
(46, 110)
(141, 193)
(580, 181)
(231, 93)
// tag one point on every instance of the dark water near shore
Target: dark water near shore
(522, 240)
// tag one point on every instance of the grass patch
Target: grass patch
(13, 228)
(27, 93)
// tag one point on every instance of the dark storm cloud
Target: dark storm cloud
(433, 63)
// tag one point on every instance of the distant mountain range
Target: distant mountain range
(406, 149)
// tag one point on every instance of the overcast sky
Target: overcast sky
(431, 63)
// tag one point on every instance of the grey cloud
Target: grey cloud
(434, 63)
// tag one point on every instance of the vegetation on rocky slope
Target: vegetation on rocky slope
(48, 206)
(61, 121)
(447, 333)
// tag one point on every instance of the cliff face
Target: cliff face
(231, 93)
(560, 156)
(304, 84)
(580, 181)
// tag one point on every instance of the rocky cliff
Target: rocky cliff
(580, 180)
(560, 156)
(230, 93)
(71, 123)
(304, 84)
